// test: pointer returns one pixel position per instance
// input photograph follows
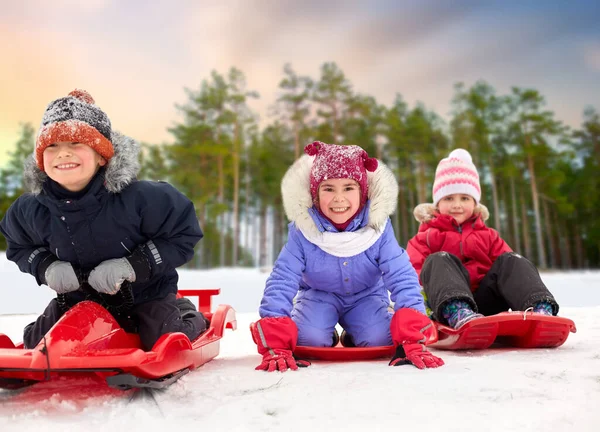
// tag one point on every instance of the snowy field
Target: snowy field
(493, 390)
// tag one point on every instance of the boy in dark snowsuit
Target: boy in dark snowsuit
(87, 219)
(464, 266)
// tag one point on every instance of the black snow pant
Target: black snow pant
(150, 320)
(512, 282)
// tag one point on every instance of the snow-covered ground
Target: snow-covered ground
(493, 390)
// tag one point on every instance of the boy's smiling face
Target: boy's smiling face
(339, 199)
(71, 164)
(459, 206)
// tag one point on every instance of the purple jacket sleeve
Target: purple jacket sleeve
(283, 282)
(399, 275)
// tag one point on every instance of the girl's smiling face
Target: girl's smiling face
(339, 199)
(459, 206)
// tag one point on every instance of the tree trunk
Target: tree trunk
(578, 247)
(563, 246)
(503, 204)
(280, 230)
(201, 212)
(411, 200)
(566, 247)
(401, 210)
(378, 147)
(221, 218)
(495, 196)
(228, 238)
(296, 140)
(525, 223)
(536, 213)
(275, 232)
(549, 235)
(262, 254)
(236, 193)
(421, 182)
(515, 220)
(336, 126)
(256, 222)
(248, 217)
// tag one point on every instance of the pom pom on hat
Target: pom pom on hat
(456, 174)
(371, 164)
(83, 96)
(461, 154)
(339, 161)
(74, 118)
(312, 149)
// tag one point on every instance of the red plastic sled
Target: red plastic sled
(88, 342)
(341, 353)
(515, 329)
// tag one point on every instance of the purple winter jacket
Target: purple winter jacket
(366, 259)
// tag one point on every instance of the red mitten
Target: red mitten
(276, 340)
(410, 330)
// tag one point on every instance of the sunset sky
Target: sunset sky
(135, 57)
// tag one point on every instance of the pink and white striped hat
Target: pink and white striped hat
(456, 174)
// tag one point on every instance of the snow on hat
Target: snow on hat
(339, 161)
(74, 118)
(456, 174)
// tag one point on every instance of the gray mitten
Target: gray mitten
(61, 277)
(109, 275)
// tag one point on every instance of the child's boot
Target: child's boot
(187, 309)
(543, 308)
(458, 312)
(347, 340)
(335, 338)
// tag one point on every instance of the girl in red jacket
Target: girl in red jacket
(466, 269)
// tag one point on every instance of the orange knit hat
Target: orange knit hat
(74, 118)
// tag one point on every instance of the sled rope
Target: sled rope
(44, 351)
(529, 309)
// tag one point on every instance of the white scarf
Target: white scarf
(344, 244)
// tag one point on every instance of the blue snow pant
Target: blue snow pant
(365, 316)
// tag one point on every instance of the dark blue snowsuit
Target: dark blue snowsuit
(115, 216)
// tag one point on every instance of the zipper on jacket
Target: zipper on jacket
(459, 229)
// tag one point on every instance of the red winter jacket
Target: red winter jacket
(473, 242)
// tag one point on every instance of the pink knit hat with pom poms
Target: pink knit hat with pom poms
(339, 161)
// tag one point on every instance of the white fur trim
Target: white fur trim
(295, 191)
(426, 212)
(121, 170)
(297, 200)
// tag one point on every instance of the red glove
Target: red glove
(410, 331)
(276, 340)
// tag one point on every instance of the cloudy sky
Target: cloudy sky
(135, 57)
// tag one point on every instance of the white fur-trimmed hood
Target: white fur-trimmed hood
(120, 171)
(297, 200)
(426, 212)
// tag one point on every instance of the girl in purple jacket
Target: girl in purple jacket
(340, 261)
